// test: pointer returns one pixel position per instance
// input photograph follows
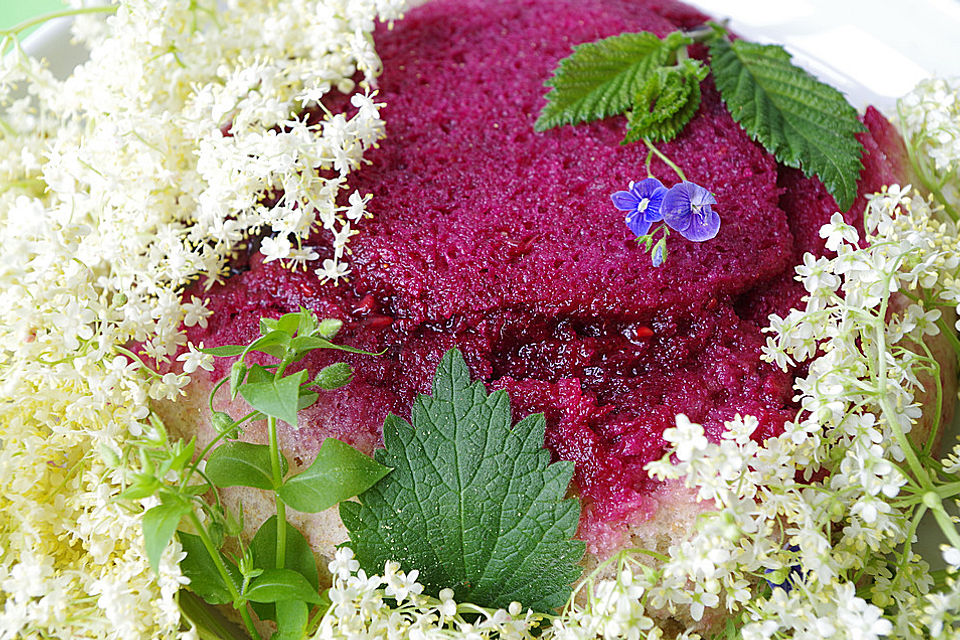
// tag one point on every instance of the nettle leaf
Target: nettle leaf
(277, 398)
(205, 579)
(277, 585)
(159, 525)
(473, 504)
(803, 122)
(298, 557)
(666, 103)
(242, 464)
(601, 79)
(337, 473)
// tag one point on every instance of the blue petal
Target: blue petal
(686, 209)
(704, 225)
(654, 211)
(646, 188)
(677, 206)
(625, 201)
(638, 223)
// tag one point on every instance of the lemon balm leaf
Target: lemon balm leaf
(803, 122)
(601, 79)
(472, 503)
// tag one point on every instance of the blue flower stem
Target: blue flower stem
(670, 163)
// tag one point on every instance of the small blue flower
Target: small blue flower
(686, 209)
(642, 204)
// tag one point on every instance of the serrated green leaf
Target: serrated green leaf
(666, 103)
(205, 579)
(277, 398)
(159, 525)
(277, 585)
(337, 473)
(601, 79)
(472, 504)
(803, 122)
(298, 557)
(242, 464)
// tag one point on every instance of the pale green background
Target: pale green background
(16, 11)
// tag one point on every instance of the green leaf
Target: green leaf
(277, 585)
(242, 464)
(226, 350)
(803, 122)
(471, 503)
(601, 79)
(273, 344)
(303, 344)
(292, 618)
(205, 579)
(337, 473)
(159, 525)
(277, 398)
(298, 557)
(666, 103)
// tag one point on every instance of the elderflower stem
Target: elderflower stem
(225, 575)
(912, 461)
(951, 335)
(66, 13)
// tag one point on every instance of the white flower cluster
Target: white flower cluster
(930, 123)
(392, 606)
(183, 136)
(819, 511)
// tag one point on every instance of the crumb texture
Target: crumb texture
(503, 242)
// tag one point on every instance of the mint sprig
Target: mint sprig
(472, 503)
(803, 122)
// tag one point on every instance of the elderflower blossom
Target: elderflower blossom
(181, 138)
(391, 606)
(930, 123)
(827, 504)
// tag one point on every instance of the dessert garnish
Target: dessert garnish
(275, 575)
(803, 122)
(687, 208)
(472, 504)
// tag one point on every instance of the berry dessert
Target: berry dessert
(503, 241)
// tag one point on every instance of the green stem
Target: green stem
(66, 13)
(670, 163)
(951, 335)
(277, 481)
(905, 445)
(225, 575)
(210, 445)
(946, 524)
